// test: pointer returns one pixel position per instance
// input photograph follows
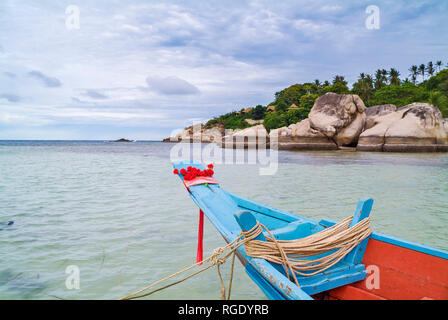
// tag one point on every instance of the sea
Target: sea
(99, 220)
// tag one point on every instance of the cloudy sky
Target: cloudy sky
(140, 69)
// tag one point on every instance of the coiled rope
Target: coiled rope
(290, 253)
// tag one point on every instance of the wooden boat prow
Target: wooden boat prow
(380, 267)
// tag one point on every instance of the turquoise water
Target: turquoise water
(118, 213)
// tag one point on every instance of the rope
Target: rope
(219, 256)
(339, 238)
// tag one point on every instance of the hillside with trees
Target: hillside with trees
(424, 83)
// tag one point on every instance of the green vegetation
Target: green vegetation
(383, 87)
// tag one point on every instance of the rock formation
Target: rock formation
(247, 138)
(340, 117)
(375, 112)
(338, 121)
(198, 133)
(417, 127)
(301, 136)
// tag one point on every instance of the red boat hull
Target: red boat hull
(397, 273)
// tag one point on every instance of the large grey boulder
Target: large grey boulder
(252, 137)
(303, 137)
(417, 127)
(373, 113)
(340, 117)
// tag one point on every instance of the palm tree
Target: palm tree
(379, 79)
(422, 69)
(363, 87)
(413, 73)
(338, 78)
(384, 74)
(430, 68)
(369, 80)
(394, 77)
(439, 65)
(317, 82)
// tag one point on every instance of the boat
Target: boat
(380, 267)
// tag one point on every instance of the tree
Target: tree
(258, 112)
(307, 101)
(364, 87)
(394, 77)
(281, 106)
(274, 120)
(290, 95)
(339, 79)
(384, 74)
(380, 80)
(400, 95)
(339, 85)
(296, 115)
(422, 69)
(439, 65)
(413, 73)
(430, 68)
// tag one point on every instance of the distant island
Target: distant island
(123, 140)
(379, 113)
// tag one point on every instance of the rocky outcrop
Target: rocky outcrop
(252, 122)
(335, 121)
(417, 127)
(199, 133)
(301, 136)
(251, 137)
(340, 117)
(373, 113)
(340, 122)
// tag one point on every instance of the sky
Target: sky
(143, 69)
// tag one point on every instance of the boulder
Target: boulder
(281, 133)
(212, 135)
(340, 117)
(198, 133)
(373, 113)
(251, 137)
(417, 127)
(304, 137)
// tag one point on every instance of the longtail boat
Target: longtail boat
(380, 267)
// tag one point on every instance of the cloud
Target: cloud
(203, 59)
(50, 82)
(10, 97)
(77, 100)
(94, 94)
(171, 86)
(9, 74)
